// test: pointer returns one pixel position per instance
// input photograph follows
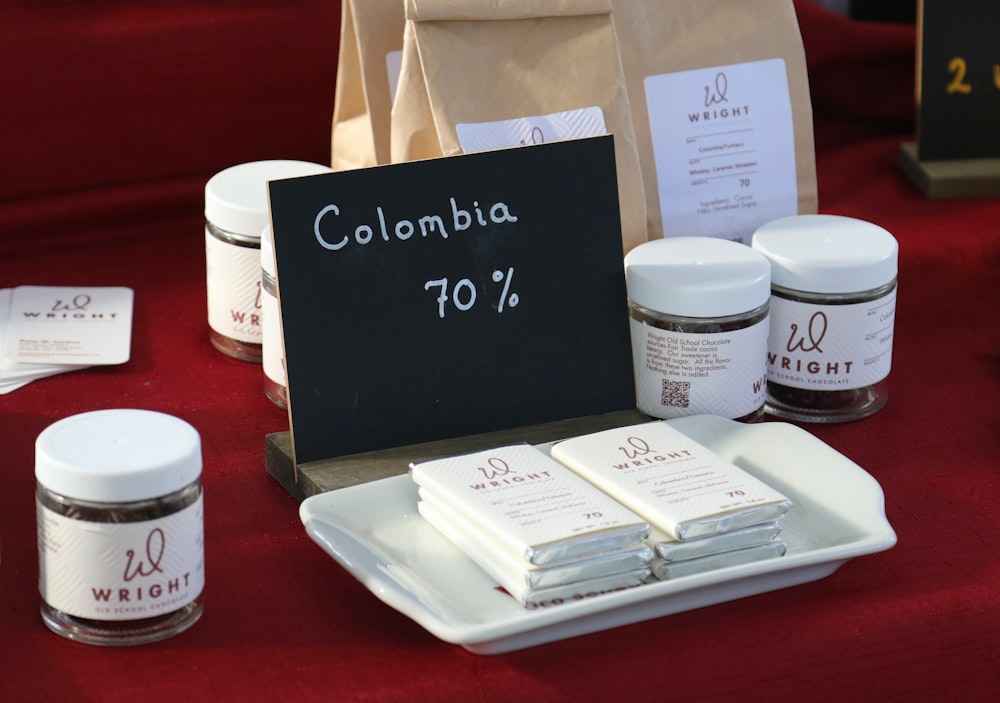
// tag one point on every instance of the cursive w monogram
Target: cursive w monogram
(498, 467)
(814, 332)
(79, 302)
(718, 95)
(155, 545)
(637, 447)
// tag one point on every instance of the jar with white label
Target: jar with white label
(275, 387)
(120, 526)
(236, 212)
(698, 309)
(832, 316)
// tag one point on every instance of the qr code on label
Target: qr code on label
(676, 394)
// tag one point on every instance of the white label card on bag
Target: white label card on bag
(724, 147)
(528, 131)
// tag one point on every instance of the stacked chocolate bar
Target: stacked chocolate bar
(682, 558)
(706, 513)
(540, 531)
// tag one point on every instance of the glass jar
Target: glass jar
(120, 526)
(698, 309)
(236, 212)
(274, 364)
(832, 316)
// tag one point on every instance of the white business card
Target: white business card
(69, 325)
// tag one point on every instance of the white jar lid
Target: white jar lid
(236, 198)
(827, 253)
(697, 277)
(117, 456)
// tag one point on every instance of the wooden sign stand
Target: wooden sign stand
(438, 307)
(957, 153)
(951, 178)
(311, 478)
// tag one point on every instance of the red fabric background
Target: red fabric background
(113, 117)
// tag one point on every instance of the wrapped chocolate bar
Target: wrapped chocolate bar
(526, 582)
(669, 550)
(508, 567)
(686, 567)
(533, 506)
(557, 595)
(679, 486)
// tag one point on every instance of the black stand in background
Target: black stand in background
(957, 153)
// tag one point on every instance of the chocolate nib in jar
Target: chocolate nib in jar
(236, 213)
(784, 401)
(691, 327)
(833, 303)
(698, 310)
(120, 526)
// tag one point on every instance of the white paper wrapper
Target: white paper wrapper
(679, 486)
(675, 569)
(17, 374)
(513, 573)
(669, 550)
(529, 503)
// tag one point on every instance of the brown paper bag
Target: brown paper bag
(371, 46)
(479, 76)
(723, 119)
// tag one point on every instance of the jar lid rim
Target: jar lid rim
(828, 253)
(118, 455)
(236, 198)
(697, 277)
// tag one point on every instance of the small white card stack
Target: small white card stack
(47, 330)
(706, 512)
(543, 533)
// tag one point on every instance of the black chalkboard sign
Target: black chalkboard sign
(440, 298)
(959, 84)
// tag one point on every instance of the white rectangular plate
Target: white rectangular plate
(375, 532)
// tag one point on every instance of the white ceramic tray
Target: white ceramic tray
(375, 532)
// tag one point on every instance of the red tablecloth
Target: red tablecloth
(112, 119)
